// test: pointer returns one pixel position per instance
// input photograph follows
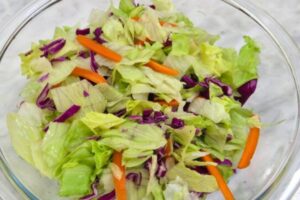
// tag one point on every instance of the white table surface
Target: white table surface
(285, 12)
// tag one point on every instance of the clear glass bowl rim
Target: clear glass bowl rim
(284, 42)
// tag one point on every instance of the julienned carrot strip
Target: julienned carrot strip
(89, 75)
(172, 103)
(109, 54)
(98, 48)
(250, 148)
(161, 68)
(168, 148)
(161, 22)
(120, 184)
(213, 170)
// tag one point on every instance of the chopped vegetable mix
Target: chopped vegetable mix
(138, 104)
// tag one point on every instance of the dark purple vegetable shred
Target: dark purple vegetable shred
(94, 65)
(43, 101)
(177, 123)
(43, 78)
(84, 54)
(135, 177)
(98, 35)
(60, 59)
(121, 112)
(94, 192)
(246, 91)
(53, 47)
(85, 93)
(108, 196)
(85, 31)
(67, 114)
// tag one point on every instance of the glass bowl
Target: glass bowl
(272, 173)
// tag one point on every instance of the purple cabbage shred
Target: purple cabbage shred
(225, 162)
(135, 177)
(94, 193)
(98, 35)
(227, 90)
(84, 54)
(246, 91)
(177, 123)
(53, 47)
(84, 31)
(121, 112)
(60, 59)
(43, 101)
(189, 82)
(108, 196)
(67, 114)
(94, 65)
(85, 93)
(43, 78)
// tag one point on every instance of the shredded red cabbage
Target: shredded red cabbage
(85, 31)
(84, 54)
(94, 65)
(53, 47)
(147, 113)
(177, 123)
(94, 192)
(43, 78)
(176, 145)
(201, 170)
(135, 177)
(60, 59)
(98, 33)
(225, 162)
(161, 169)
(168, 42)
(67, 114)
(85, 93)
(227, 90)
(246, 91)
(152, 6)
(120, 113)
(43, 101)
(159, 117)
(189, 82)
(108, 196)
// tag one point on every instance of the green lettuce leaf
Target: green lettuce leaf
(66, 96)
(244, 67)
(126, 6)
(180, 44)
(196, 182)
(33, 64)
(100, 121)
(53, 143)
(176, 189)
(25, 129)
(76, 181)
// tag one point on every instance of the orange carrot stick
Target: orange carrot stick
(120, 184)
(169, 147)
(162, 68)
(213, 170)
(109, 54)
(172, 103)
(89, 75)
(98, 48)
(250, 148)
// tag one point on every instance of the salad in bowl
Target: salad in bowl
(138, 104)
